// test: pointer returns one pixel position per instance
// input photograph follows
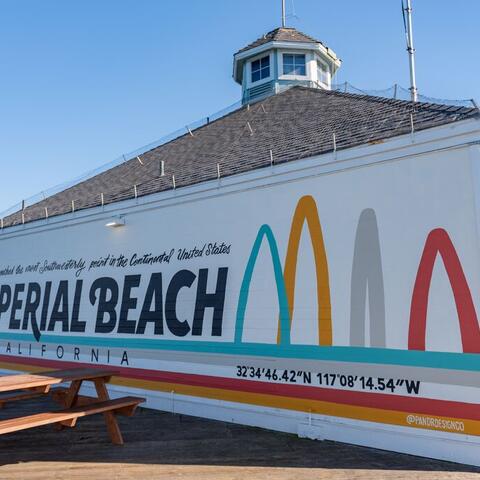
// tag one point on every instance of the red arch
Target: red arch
(438, 241)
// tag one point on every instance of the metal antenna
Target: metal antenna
(407, 11)
(284, 21)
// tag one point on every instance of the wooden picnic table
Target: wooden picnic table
(30, 385)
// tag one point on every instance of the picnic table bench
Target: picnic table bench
(24, 386)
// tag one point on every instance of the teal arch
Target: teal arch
(264, 232)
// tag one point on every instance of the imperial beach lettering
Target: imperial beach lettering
(56, 307)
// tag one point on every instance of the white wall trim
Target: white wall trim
(297, 45)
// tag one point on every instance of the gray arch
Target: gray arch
(367, 276)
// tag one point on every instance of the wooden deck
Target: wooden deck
(165, 446)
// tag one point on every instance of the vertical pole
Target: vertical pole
(411, 52)
(284, 22)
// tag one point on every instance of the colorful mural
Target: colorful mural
(277, 300)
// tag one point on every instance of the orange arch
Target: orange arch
(438, 241)
(306, 210)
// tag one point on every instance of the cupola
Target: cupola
(280, 59)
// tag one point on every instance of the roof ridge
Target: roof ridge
(436, 107)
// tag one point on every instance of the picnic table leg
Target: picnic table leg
(71, 396)
(110, 419)
(70, 400)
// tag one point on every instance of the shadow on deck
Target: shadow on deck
(162, 445)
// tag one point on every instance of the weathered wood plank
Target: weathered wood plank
(23, 395)
(79, 374)
(68, 415)
(10, 383)
(58, 395)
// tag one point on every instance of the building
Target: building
(305, 263)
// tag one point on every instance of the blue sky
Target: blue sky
(82, 82)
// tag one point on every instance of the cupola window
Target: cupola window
(260, 69)
(322, 73)
(294, 64)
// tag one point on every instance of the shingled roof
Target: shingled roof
(282, 34)
(295, 124)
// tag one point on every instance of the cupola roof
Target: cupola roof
(281, 34)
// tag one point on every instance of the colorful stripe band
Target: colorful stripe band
(373, 407)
